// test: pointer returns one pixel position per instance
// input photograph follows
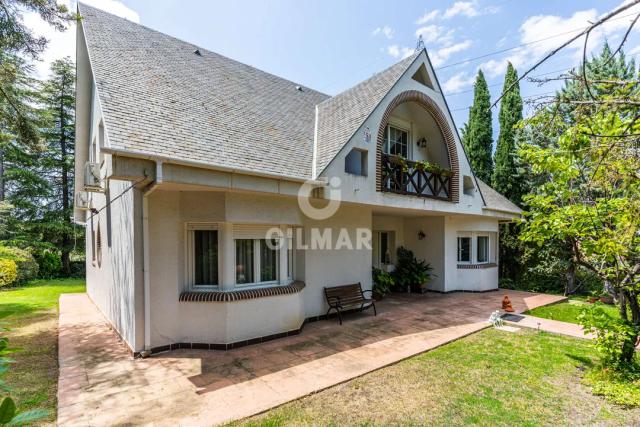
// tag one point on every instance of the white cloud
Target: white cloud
(458, 82)
(466, 8)
(387, 31)
(63, 44)
(439, 56)
(428, 16)
(534, 28)
(399, 51)
(430, 33)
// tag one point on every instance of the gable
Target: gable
(422, 76)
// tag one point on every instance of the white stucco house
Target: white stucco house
(186, 159)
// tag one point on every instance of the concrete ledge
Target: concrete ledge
(242, 294)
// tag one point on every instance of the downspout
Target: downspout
(146, 256)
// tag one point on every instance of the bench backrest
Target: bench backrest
(344, 292)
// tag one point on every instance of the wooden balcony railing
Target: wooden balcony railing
(403, 176)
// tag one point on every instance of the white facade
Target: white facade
(141, 236)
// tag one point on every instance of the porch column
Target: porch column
(227, 252)
(284, 256)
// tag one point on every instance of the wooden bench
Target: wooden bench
(341, 297)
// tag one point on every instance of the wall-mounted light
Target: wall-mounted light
(421, 235)
(422, 142)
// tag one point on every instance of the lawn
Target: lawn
(568, 311)
(489, 378)
(31, 314)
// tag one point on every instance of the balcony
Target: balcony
(419, 179)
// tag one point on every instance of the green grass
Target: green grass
(568, 311)
(31, 314)
(490, 378)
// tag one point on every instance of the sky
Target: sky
(331, 45)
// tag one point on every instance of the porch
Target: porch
(100, 384)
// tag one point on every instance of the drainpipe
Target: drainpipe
(145, 248)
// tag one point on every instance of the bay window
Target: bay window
(224, 256)
(477, 247)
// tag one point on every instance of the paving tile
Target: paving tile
(100, 384)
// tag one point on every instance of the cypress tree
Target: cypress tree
(505, 175)
(478, 138)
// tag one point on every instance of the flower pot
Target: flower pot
(419, 288)
(608, 299)
(591, 300)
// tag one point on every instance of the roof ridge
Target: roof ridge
(201, 48)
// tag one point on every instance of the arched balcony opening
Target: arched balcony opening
(416, 153)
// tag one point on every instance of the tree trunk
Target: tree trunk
(2, 175)
(629, 346)
(66, 203)
(570, 286)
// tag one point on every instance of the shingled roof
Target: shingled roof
(496, 201)
(161, 99)
(340, 117)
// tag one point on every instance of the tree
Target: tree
(57, 161)
(506, 179)
(18, 38)
(558, 258)
(17, 41)
(478, 135)
(588, 193)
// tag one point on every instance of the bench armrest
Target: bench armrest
(368, 290)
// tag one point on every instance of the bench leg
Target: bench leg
(375, 313)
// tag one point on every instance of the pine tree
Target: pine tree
(505, 174)
(57, 161)
(478, 137)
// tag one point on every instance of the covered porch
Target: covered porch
(100, 384)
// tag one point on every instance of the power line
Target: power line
(496, 52)
(524, 97)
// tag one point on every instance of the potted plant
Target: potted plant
(411, 274)
(383, 281)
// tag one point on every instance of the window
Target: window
(202, 255)
(422, 77)
(482, 254)
(467, 185)
(356, 162)
(268, 260)
(98, 254)
(464, 249)
(385, 256)
(92, 151)
(244, 261)
(397, 142)
(205, 257)
(257, 261)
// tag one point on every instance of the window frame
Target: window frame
(256, 266)
(190, 255)
(477, 248)
(387, 139)
(470, 238)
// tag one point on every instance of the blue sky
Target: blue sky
(330, 45)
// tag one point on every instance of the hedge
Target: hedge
(8, 272)
(27, 267)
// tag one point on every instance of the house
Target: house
(219, 200)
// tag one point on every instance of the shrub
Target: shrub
(383, 282)
(49, 263)
(8, 272)
(78, 269)
(613, 334)
(25, 263)
(410, 271)
(621, 387)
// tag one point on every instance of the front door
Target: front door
(383, 250)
